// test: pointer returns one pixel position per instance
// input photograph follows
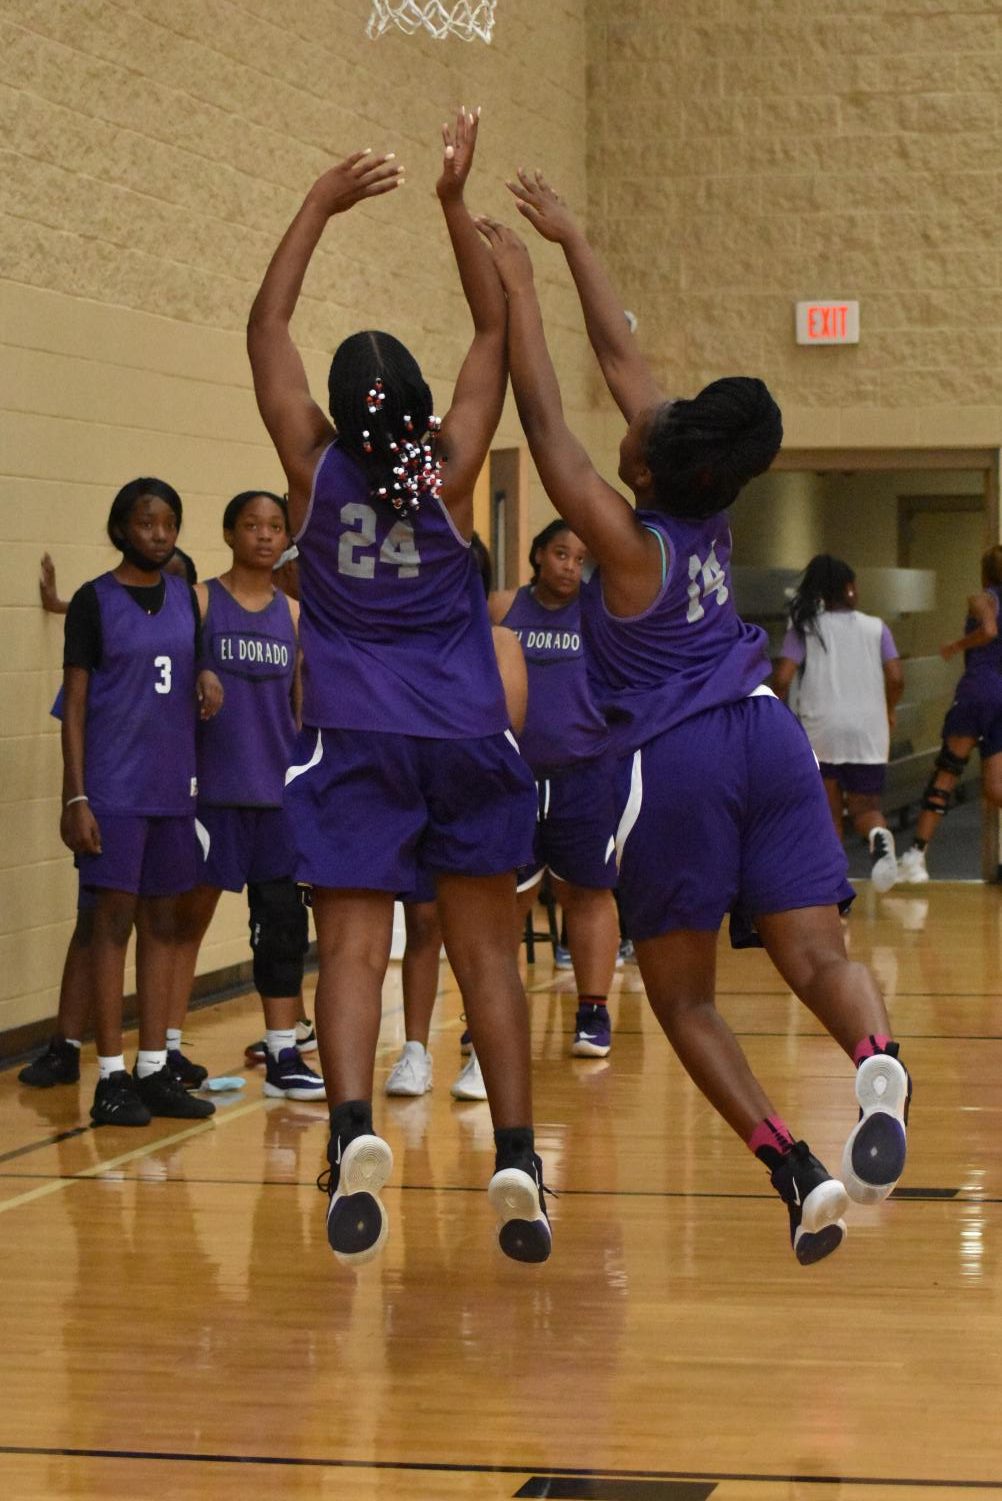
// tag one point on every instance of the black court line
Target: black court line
(921, 1195)
(591, 1488)
(716, 1477)
(47, 1141)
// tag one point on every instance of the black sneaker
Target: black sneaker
(516, 1194)
(357, 1222)
(59, 1064)
(117, 1102)
(163, 1095)
(816, 1202)
(189, 1075)
(257, 1052)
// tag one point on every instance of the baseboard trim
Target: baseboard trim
(18, 1043)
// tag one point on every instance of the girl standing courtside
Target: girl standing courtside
(405, 759)
(973, 719)
(723, 808)
(249, 632)
(566, 743)
(850, 685)
(129, 709)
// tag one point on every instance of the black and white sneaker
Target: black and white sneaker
(357, 1222)
(289, 1078)
(516, 1194)
(189, 1075)
(883, 860)
(874, 1156)
(163, 1095)
(59, 1064)
(816, 1202)
(306, 1035)
(117, 1103)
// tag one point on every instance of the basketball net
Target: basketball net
(466, 20)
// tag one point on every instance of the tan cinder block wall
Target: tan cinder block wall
(153, 155)
(748, 153)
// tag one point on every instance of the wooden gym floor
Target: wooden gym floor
(174, 1325)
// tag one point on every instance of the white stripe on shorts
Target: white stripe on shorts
(632, 810)
(297, 771)
(203, 837)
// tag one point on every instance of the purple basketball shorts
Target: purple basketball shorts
(237, 846)
(854, 776)
(978, 715)
(575, 831)
(369, 810)
(725, 812)
(147, 856)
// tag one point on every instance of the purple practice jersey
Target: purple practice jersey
(562, 724)
(393, 626)
(244, 750)
(688, 651)
(983, 664)
(139, 747)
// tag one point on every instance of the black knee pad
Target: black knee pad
(279, 931)
(947, 761)
(936, 799)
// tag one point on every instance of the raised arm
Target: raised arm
(478, 398)
(628, 553)
(626, 372)
(297, 426)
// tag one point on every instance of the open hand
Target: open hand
(510, 255)
(47, 586)
(948, 651)
(460, 143)
(543, 208)
(359, 176)
(209, 692)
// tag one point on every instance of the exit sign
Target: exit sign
(827, 322)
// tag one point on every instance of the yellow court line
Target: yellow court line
(213, 1124)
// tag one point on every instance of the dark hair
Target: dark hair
(121, 506)
(543, 539)
(482, 558)
(702, 452)
(237, 504)
(404, 413)
(187, 563)
(991, 567)
(825, 582)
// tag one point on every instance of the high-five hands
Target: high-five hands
(460, 140)
(360, 175)
(511, 258)
(544, 209)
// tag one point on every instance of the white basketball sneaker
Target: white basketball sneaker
(912, 868)
(411, 1074)
(470, 1085)
(884, 870)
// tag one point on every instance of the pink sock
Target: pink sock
(869, 1047)
(774, 1133)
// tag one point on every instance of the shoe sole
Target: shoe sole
(460, 1092)
(120, 1119)
(822, 1229)
(583, 1048)
(46, 1083)
(918, 879)
(357, 1222)
(202, 1114)
(874, 1156)
(396, 1092)
(275, 1092)
(523, 1230)
(884, 875)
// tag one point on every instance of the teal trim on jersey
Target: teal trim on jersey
(664, 554)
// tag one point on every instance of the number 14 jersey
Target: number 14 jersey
(688, 651)
(393, 618)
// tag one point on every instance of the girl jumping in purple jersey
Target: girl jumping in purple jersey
(130, 685)
(973, 719)
(723, 808)
(566, 743)
(405, 760)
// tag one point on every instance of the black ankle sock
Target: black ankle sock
(513, 1144)
(353, 1118)
(920, 845)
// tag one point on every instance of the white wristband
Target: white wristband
(80, 798)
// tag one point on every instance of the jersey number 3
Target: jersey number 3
(354, 557)
(163, 682)
(706, 577)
